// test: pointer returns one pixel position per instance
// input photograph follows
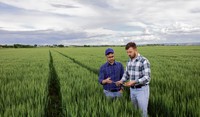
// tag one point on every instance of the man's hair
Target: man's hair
(130, 44)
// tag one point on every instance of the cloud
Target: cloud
(139, 24)
(99, 21)
(181, 28)
(41, 36)
(64, 6)
(195, 10)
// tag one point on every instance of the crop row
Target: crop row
(33, 80)
(81, 93)
(23, 81)
(174, 80)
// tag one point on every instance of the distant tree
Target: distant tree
(55, 45)
(22, 46)
(16, 45)
(86, 45)
(61, 45)
(7, 46)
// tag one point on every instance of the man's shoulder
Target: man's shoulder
(143, 59)
(104, 65)
(118, 63)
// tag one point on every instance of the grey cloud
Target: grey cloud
(182, 38)
(6, 8)
(154, 15)
(39, 36)
(10, 9)
(64, 6)
(97, 3)
(44, 36)
(196, 10)
(183, 31)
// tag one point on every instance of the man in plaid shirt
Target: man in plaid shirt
(138, 76)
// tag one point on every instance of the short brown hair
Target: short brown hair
(130, 44)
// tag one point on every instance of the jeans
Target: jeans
(140, 99)
(112, 95)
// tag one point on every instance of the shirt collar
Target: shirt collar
(108, 64)
(135, 59)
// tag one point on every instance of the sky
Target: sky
(99, 22)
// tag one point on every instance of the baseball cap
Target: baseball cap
(109, 50)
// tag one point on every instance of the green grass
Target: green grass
(175, 80)
(23, 79)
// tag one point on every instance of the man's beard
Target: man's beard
(111, 62)
(132, 57)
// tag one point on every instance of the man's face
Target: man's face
(110, 58)
(132, 53)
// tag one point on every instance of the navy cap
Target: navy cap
(109, 50)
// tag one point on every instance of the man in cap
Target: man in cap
(110, 72)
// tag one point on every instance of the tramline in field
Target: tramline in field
(24, 77)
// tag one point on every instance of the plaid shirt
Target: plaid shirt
(137, 69)
(115, 72)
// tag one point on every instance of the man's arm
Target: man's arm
(122, 71)
(102, 80)
(125, 77)
(146, 71)
(101, 75)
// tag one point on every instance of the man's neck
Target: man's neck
(111, 63)
(135, 56)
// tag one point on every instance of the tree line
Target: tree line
(29, 46)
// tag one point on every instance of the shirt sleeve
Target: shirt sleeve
(122, 71)
(146, 71)
(125, 75)
(101, 76)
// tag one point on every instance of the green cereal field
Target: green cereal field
(57, 82)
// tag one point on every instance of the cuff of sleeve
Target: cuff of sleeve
(100, 81)
(122, 81)
(138, 81)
